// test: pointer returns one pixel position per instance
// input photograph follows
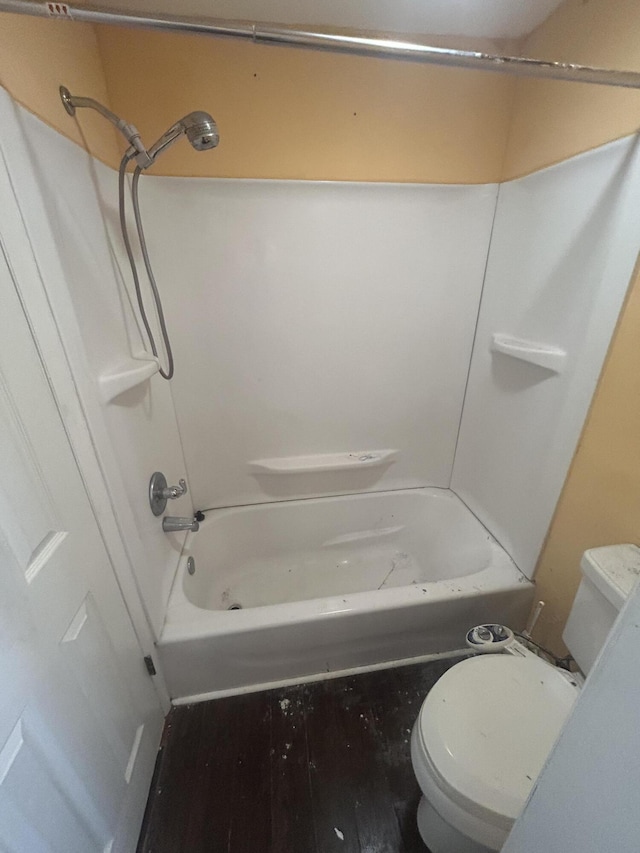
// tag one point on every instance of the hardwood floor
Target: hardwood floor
(314, 768)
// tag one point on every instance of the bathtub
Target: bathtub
(294, 590)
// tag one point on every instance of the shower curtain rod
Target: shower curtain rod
(383, 48)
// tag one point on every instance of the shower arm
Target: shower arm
(129, 131)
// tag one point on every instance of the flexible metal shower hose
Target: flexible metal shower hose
(168, 373)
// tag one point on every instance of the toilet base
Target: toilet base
(441, 837)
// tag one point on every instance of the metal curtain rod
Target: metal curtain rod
(383, 48)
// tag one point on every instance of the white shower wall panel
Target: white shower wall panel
(313, 318)
(69, 201)
(564, 245)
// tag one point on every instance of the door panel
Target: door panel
(79, 717)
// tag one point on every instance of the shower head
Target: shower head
(199, 128)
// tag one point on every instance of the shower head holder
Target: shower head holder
(67, 100)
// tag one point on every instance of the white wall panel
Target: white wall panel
(137, 433)
(564, 245)
(317, 318)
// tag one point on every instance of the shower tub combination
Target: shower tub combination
(297, 589)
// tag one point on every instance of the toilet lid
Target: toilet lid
(488, 725)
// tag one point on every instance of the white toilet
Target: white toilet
(485, 729)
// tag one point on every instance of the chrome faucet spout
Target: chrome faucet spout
(174, 524)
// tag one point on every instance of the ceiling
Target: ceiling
(494, 19)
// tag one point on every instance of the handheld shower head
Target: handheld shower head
(199, 128)
(202, 132)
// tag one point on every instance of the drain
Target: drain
(191, 566)
(234, 607)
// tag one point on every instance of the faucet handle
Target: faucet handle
(160, 492)
(173, 492)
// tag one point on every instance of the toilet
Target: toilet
(487, 726)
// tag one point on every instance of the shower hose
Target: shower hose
(168, 373)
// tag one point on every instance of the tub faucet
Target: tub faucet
(172, 524)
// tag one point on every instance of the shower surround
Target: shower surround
(378, 391)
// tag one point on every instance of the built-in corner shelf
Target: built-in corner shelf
(128, 376)
(323, 462)
(542, 355)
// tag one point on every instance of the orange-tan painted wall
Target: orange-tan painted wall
(38, 55)
(291, 113)
(554, 120)
(300, 114)
(282, 112)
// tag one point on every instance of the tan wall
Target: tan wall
(554, 120)
(282, 112)
(37, 56)
(287, 113)
(301, 114)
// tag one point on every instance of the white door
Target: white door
(80, 720)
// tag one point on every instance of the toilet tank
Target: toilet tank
(608, 576)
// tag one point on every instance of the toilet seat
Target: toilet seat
(486, 728)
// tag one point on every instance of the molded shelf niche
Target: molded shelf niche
(542, 355)
(323, 462)
(128, 376)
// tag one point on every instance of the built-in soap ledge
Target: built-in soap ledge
(127, 376)
(323, 462)
(542, 355)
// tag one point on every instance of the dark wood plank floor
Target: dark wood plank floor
(314, 768)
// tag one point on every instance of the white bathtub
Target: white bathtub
(331, 584)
